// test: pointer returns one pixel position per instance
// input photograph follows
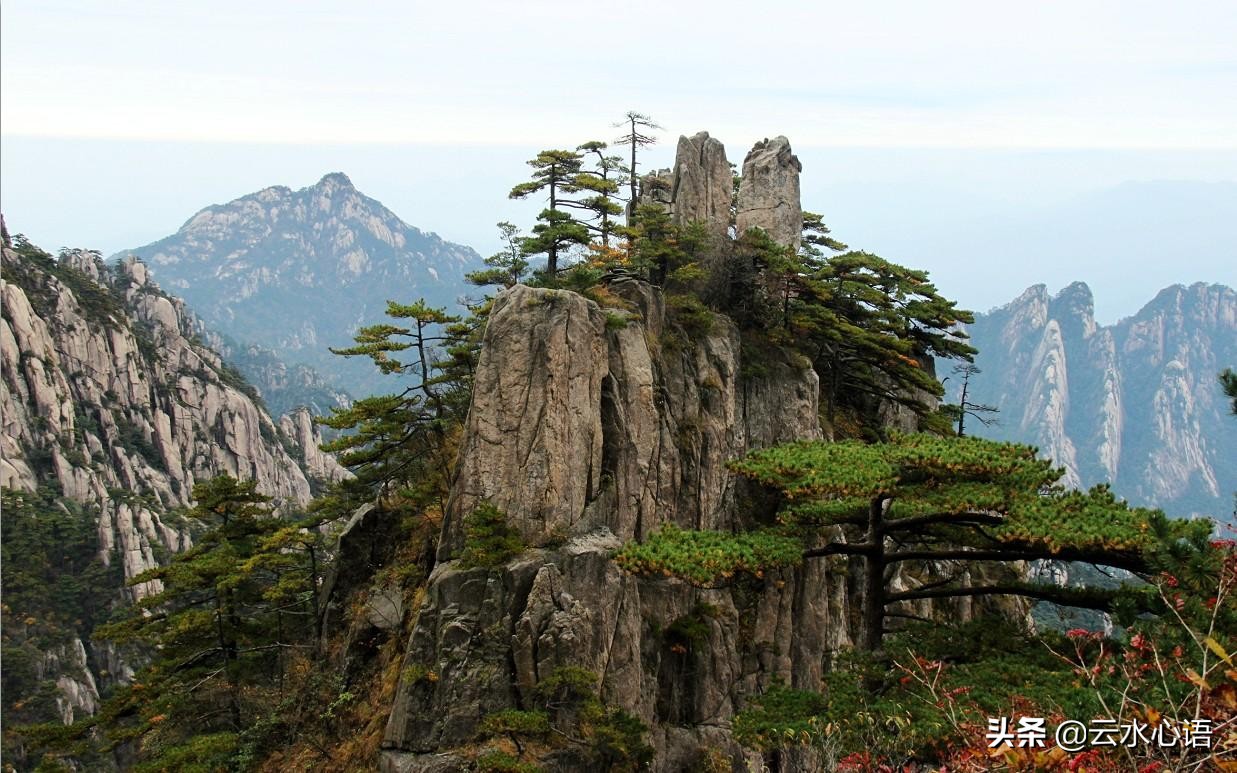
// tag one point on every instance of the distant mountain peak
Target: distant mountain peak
(267, 195)
(1137, 403)
(298, 271)
(1076, 291)
(1034, 294)
(1074, 305)
(335, 180)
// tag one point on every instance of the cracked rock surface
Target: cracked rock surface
(587, 438)
(108, 397)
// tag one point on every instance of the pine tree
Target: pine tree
(953, 502)
(872, 327)
(655, 244)
(635, 124)
(215, 634)
(390, 439)
(508, 266)
(979, 411)
(603, 182)
(816, 238)
(556, 172)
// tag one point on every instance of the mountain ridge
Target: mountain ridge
(113, 409)
(298, 271)
(1135, 403)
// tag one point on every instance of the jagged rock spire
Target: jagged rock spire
(702, 185)
(769, 192)
(700, 188)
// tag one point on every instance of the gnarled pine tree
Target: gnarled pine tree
(400, 437)
(959, 502)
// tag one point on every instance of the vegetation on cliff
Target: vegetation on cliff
(269, 647)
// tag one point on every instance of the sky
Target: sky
(952, 133)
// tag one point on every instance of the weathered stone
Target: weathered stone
(398, 762)
(365, 544)
(318, 465)
(702, 185)
(384, 609)
(532, 445)
(108, 402)
(78, 694)
(596, 437)
(655, 188)
(769, 192)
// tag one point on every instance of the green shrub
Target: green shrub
(501, 762)
(611, 738)
(618, 742)
(691, 630)
(580, 277)
(514, 721)
(488, 539)
(615, 322)
(690, 314)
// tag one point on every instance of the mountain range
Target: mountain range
(297, 272)
(279, 276)
(589, 427)
(113, 409)
(1136, 404)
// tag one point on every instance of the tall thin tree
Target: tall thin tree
(634, 136)
(966, 408)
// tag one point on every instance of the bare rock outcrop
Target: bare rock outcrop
(655, 188)
(319, 466)
(588, 436)
(1134, 404)
(575, 426)
(769, 192)
(108, 398)
(702, 184)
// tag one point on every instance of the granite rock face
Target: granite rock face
(587, 437)
(575, 427)
(319, 467)
(769, 192)
(107, 397)
(1136, 404)
(702, 183)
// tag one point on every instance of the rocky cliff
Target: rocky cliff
(592, 426)
(1136, 404)
(769, 192)
(701, 185)
(587, 436)
(112, 405)
(298, 271)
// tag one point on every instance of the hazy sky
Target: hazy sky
(1080, 73)
(119, 119)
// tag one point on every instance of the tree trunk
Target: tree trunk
(551, 263)
(228, 646)
(631, 205)
(313, 595)
(966, 378)
(874, 578)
